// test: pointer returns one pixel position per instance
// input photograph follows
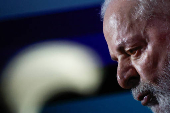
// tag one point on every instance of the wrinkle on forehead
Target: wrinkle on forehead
(120, 24)
(119, 15)
(121, 29)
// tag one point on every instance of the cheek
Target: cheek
(147, 66)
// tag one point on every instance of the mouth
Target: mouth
(147, 99)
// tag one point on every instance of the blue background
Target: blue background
(24, 22)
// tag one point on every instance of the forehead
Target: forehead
(118, 16)
(119, 25)
(121, 7)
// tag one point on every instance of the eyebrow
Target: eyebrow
(128, 42)
(120, 48)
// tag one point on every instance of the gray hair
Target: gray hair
(104, 7)
(145, 8)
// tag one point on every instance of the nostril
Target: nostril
(133, 82)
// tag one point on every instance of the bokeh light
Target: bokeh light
(45, 69)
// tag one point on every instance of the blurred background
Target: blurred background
(58, 47)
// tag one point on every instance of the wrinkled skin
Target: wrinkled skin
(141, 48)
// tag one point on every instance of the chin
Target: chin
(160, 99)
(160, 109)
(156, 109)
(163, 105)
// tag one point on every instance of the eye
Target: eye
(134, 52)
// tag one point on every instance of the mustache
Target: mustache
(156, 90)
(161, 87)
(142, 88)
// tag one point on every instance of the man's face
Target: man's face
(141, 49)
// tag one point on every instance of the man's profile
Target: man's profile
(138, 36)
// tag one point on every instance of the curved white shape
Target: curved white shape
(46, 69)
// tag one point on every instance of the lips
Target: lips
(146, 99)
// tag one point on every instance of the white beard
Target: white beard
(161, 95)
(161, 91)
(164, 104)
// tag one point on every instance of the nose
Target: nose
(127, 75)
